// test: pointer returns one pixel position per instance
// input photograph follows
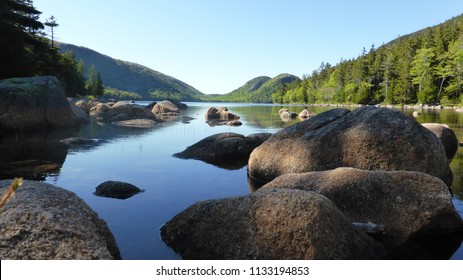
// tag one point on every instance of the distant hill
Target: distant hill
(132, 77)
(258, 90)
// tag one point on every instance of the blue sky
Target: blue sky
(217, 46)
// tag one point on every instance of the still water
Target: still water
(143, 157)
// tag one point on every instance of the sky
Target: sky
(216, 46)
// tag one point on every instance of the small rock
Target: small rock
(116, 189)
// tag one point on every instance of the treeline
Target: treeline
(26, 51)
(423, 67)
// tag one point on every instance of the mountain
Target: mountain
(259, 89)
(132, 77)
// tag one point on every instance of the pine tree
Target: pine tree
(22, 49)
(94, 85)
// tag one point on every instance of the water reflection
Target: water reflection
(144, 157)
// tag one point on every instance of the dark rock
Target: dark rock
(220, 114)
(151, 105)
(34, 156)
(33, 104)
(368, 138)
(447, 136)
(273, 224)
(405, 204)
(116, 189)
(224, 148)
(77, 141)
(46, 222)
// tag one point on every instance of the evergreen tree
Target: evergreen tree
(22, 49)
(94, 85)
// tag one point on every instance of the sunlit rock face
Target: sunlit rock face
(367, 138)
(43, 221)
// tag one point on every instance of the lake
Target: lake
(143, 157)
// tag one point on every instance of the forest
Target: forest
(27, 50)
(425, 67)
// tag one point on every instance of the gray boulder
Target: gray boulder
(46, 222)
(31, 104)
(447, 136)
(406, 205)
(116, 189)
(82, 117)
(273, 224)
(229, 150)
(367, 138)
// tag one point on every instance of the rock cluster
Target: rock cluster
(367, 184)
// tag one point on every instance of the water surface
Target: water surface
(143, 157)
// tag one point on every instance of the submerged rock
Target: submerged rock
(407, 205)
(367, 138)
(46, 222)
(273, 224)
(116, 189)
(136, 123)
(224, 149)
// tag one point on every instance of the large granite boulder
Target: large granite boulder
(224, 149)
(274, 224)
(82, 117)
(446, 135)
(407, 205)
(32, 104)
(46, 222)
(367, 138)
(286, 114)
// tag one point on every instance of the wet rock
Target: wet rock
(82, 117)
(116, 189)
(273, 224)
(367, 138)
(47, 222)
(406, 205)
(223, 149)
(446, 135)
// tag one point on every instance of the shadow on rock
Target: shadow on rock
(226, 150)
